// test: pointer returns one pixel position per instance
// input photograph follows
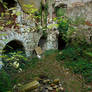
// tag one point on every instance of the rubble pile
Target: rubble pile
(42, 85)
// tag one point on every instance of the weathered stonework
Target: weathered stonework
(30, 39)
(52, 40)
(81, 9)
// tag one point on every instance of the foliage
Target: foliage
(49, 52)
(45, 34)
(52, 26)
(79, 62)
(11, 14)
(15, 61)
(63, 27)
(75, 52)
(68, 26)
(32, 62)
(83, 67)
(31, 11)
(62, 24)
(34, 15)
(5, 82)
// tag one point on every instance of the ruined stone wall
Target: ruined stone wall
(81, 9)
(52, 40)
(77, 7)
(29, 39)
(70, 2)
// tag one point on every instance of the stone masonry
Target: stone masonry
(31, 39)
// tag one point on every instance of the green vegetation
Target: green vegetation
(63, 25)
(8, 73)
(14, 61)
(5, 81)
(49, 52)
(78, 59)
(76, 56)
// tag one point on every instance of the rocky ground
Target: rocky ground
(47, 75)
(41, 84)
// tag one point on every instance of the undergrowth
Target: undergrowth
(78, 59)
(6, 78)
(49, 52)
(5, 81)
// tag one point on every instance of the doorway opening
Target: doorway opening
(13, 46)
(12, 49)
(61, 43)
(42, 42)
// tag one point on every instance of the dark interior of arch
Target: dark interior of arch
(13, 46)
(10, 3)
(2, 9)
(42, 41)
(61, 43)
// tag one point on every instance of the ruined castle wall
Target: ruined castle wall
(29, 39)
(83, 11)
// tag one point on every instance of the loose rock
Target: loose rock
(56, 81)
(46, 81)
(50, 88)
(43, 84)
(30, 86)
(55, 86)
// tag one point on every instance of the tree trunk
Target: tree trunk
(44, 13)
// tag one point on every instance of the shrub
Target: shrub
(70, 53)
(79, 62)
(31, 63)
(81, 66)
(49, 52)
(14, 61)
(5, 82)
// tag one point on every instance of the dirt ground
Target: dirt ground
(49, 67)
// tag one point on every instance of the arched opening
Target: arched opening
(10, 3)
(42, 42)
(41, 46)
(61, 43)
(13, 46)
(14, 49)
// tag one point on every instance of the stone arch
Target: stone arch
(10, 35)
(13, 46)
